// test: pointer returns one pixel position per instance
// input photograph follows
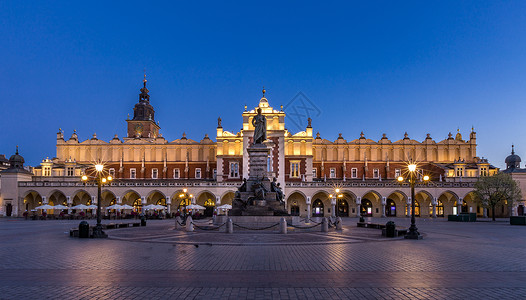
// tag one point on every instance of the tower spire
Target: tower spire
(143, 96)
(512, 149)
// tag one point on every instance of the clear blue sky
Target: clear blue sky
(377, 66)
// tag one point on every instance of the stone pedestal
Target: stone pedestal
(257, 161)
(255, 197)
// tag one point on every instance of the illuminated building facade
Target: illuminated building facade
(320, 177)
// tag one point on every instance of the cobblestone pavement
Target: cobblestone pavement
(482, 260)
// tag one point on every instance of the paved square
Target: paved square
(454, 261)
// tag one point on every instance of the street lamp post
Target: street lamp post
(100, 179)
(413, 233)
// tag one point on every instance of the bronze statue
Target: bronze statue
(275, 187)
(260, 128)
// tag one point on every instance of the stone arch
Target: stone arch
(202, 193)
(346, 200)
(80, 197)
(175, 195)
(375, 204)
(299, 192)
(297, 203)
(448, 199)
(349, 193)
(32, 199)
(54, 192)
(399, 200)
(207, 199)
(424, 199)
(473, 206)
(227, 197)
(130, 197)
(323, 197)
(156, 197)
(108, 197)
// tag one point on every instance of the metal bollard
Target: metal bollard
(324, 225)
(339, 223)
(283, 226)
(189, 224)
(229, 226)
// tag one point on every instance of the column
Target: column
(484, 212)
(333, 207)
(93, 200)
(168, 204)
(384, 202)
(70, 202)
(358, 204)
(118, 200)
(408, 207)
(218, 203)
(434, 203)
(307, 219)
(44, 200)
(514, 210)
(459, 206)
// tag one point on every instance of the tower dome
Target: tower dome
(512, 161)
(16, 160)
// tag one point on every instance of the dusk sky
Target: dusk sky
(375, 66)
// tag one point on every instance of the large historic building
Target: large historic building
(320, 177)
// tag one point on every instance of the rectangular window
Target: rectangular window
(294, 169)
(215, 173)
(314, 171)
(112, 172)
(70, 171)
(177, 174)
(333, 173)
(398, 173)
(155, 173)
(483, 172)
(234, 170)
(376, 173)
(354, 173)
(460, 172)
(133, 173)
(197, 173)
(47, 171)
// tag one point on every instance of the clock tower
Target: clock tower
(143, 123)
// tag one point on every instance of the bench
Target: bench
(371, 225)
(399, 231)
(74, 232)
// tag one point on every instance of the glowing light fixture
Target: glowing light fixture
(411, 167)
(400, 178)
(426, 177)
(84, 177)
(99, 167)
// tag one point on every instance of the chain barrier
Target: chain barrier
(207, 228)
(304, 227)
(263, 228)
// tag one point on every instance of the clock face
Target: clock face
(138, 128)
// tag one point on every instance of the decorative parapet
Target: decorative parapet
(360, 183)
(134, 183)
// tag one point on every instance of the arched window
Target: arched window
(342, 208)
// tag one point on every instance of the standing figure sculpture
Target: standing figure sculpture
(274, 187)
(260, 128)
